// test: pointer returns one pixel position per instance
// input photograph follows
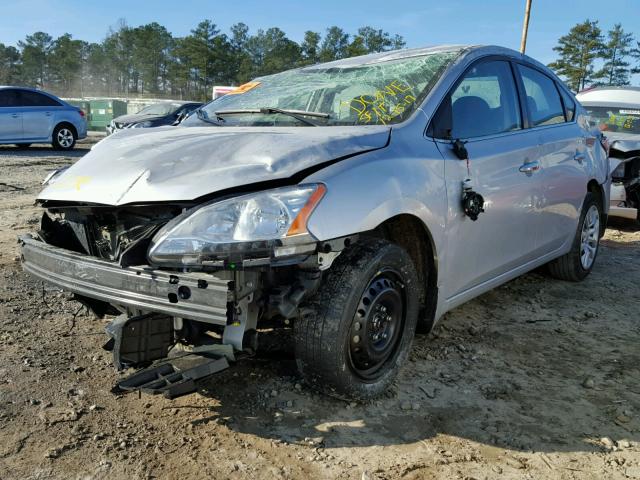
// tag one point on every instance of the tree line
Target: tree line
(148, 60)
(580, 50)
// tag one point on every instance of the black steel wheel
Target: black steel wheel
(377, 324)
(363, 322)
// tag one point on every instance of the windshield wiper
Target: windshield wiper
(202, 115)
(297, 114)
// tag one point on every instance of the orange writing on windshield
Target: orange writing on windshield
(244, 88)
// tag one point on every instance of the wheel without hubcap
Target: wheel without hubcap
(377, 325)
(363, 319)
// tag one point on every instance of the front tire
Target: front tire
(64, 138)
(363, 322)
(578, 263)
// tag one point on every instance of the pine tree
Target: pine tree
(310, 47)
(635, 53)
(578, 50)
(615, 70)
(9, 65)
(335, 44)
(35, 50)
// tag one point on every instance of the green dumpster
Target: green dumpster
(103, 111)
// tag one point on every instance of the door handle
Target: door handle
(48, 114)
(579, 157)
(15, 115)
(530, 167)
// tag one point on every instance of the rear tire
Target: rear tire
(363, 322)
(578, 263)
(64, 137)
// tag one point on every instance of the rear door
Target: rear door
(10, 116)
(562, 157)
(39, 114)
(484, 110)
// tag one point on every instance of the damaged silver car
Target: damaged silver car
(352, 202)
(616, 112)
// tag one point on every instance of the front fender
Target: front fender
(367, 190)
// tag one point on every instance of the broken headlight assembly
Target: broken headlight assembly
(269, 223)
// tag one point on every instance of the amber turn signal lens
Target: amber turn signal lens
(299, 225)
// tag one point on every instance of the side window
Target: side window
(8, 98)
(34, 99)
(543, 99)
(569, 105)
(485, 102)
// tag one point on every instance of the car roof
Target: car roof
(387, 56)
(476, 51)
(24, 88)
(612, 96)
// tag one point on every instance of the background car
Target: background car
(32, 116)
(156, 115)
(616, 111)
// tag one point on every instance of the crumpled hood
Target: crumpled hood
(623, 142)
(184, 163)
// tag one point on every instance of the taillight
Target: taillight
(81, 112)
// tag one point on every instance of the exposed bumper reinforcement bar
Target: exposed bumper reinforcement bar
(194, 296)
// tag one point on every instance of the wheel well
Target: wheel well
(410, 233)
(594, 187)
(68, 125)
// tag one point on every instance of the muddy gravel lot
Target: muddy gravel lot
(537, 379)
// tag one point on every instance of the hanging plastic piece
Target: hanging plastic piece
(472, 202)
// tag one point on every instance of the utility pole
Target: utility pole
(525, 27)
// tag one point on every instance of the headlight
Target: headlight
(146, 124)
(251, 224)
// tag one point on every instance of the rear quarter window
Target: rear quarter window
(35, 99)
(569, 105)
(8, 98)
(543, 98)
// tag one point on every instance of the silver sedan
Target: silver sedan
(356, 201)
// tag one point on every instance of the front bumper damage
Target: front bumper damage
(195, 296)
(212, 313)
(154, 305)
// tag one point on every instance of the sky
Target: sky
(420, 22)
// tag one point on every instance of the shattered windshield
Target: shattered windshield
(615, 119)
(370, 94)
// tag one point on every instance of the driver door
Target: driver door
(484, 110)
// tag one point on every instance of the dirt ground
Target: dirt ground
(537, 379)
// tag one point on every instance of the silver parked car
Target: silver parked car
(355, 201)
(616, 111)
(32, 116)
